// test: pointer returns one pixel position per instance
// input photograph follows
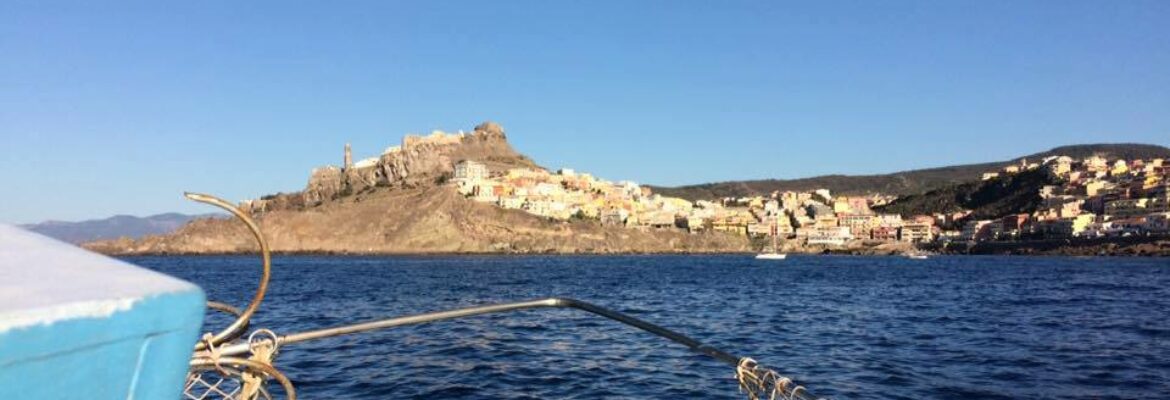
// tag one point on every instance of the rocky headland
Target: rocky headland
(415, 220)
(398, 203)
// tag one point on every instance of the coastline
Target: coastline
(1133, 246)
(1164, 251)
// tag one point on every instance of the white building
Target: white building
(468, 175)
(470, 170)
(834, 236)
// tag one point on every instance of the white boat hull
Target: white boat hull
(771, 256)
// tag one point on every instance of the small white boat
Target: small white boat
(916, 256)
(771, 256)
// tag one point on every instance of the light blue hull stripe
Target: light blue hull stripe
(139, 353)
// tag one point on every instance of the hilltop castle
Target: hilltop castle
(417, 160)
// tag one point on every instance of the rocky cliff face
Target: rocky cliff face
(419, 160)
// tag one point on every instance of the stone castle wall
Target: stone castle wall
(419, 160)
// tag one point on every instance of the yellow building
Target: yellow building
(756, 202)
(1081, 222)
(1060, 168)
(1151, 182)
(859, 225)
(841, 205)
(825, 221)
(916, 232)
(1119, 168)
(1096, 164)
(1094, 187)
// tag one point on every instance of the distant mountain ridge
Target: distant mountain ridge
(113, 227)
(905, 182)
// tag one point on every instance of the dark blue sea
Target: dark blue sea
(845, 327)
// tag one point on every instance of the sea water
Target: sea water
(845, 327)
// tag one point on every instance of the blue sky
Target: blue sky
(118, 107)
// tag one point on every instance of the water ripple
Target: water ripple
(847, 327)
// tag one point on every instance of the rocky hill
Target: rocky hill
(902, 183)
(418, 161)
(993, 198)
(112, 227)
(397, 203)
(425, 219)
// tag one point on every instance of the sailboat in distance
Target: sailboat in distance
(774, 253)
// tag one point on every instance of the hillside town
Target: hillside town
(1062, 198)
(815, 218)
(1096, 198)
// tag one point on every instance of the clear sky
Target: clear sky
(112, 107)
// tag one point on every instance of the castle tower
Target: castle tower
(348, 158)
